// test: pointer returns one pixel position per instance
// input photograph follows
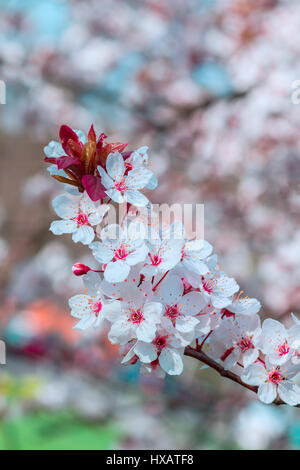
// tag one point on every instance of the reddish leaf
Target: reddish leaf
(93, 186)
(92, 134)
(61, 179)
(50, 160)
(102, 137)
(110, 148)
(66, 133)
(75, 148)
(99, 148)
(65, 162)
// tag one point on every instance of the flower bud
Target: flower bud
(80, 269)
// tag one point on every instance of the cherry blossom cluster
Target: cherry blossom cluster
(160, 293)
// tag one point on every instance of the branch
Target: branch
(201, 356)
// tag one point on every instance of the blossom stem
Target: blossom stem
(156, 285)
(206, 337)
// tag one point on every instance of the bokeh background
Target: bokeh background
(207, 85)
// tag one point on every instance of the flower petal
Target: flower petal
(58, 227)
(192, 303)
(145, 351)
(121, 332)
(85, 322)
(137, 256)
(102, 251)
(136, 198)
(267, 392)
(146, 331)
(254, 374)
(115, 166)
(112, 310)
(289, 393)
(152, 311)
(172, 290)
(80, 305)
(84, 234)
(185, 324)
(105, 179)
(170, 361)
(66, 207)
(116, 271)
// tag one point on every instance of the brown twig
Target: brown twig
(201, 356)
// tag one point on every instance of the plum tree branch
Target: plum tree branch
(201, 356)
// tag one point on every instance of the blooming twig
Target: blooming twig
(160, 292)
(201, 356)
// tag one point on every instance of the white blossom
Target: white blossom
(272, 380)
(79, 214)
(121, 187)
(118, 251)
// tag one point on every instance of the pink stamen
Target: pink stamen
(97, 307)
(160, 342)
(284, 349)
(82, 219)
(209, 285)
(245, 344)
(155, 260)
(121, 185)
(172, 312)
(136, 316)
(121, 252)
(275, 376)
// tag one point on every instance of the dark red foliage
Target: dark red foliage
(93, 186)
(81, 160)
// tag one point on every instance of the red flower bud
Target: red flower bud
(80, 269)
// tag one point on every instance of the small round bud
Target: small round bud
(80, 269)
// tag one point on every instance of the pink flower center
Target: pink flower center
(283, 349)
(172, 312)
(275, 376)
(160, 342)
(121, 252)
(136, 316)
(82, 219)
(209, 285)
(121, 185)
(155, 259)
(97, 307)
(245, 344)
